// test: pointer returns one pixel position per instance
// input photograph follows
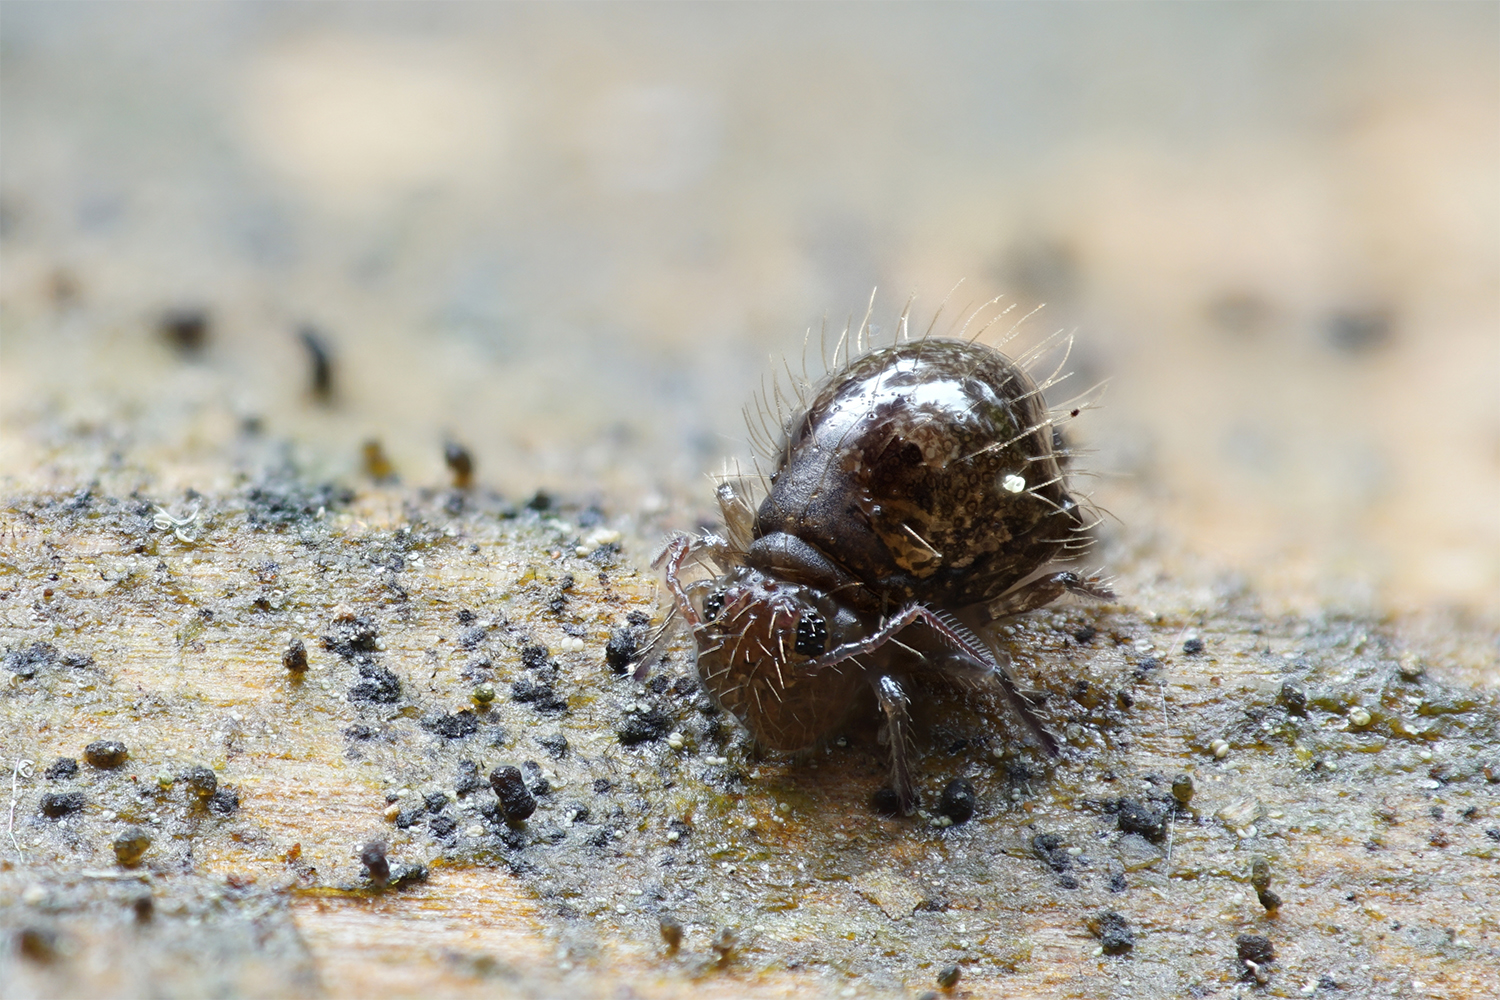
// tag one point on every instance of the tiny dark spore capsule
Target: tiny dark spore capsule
(516, 800)
(320, 358)
(671, 931)
(1292, 699)
(130, 845)
(106, 754)
(460, 463)
(295, 657)
(949, 975)
(1193, 647)
(958, 800)
(1254, 948)
(1183, 788)
(224, 802)
(372, 856)
(62, 767)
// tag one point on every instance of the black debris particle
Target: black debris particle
(559, 598)
(185, 329)
(516, 800)
(408, 817)
(949, 975)
(376, 684)
(1145, 667)
(1255, 952)
(1358, 331)
(555, 744)
(442, 826)
(372, 856)
(538, 692)
(886, 802)
(359, 731)
(295, 657)
(350, 637)
(62, 767)
(469, 779)
(1085, 634)
(28, 660)
(601, 786)
(623, 645)
(471, 636)
(538, 784)
(435, 802)
(58, 804)
(958, 800)
(644, 727)
(131, 845)
(1493, 833)
(1113, 931)
(106, 754)
(38, 944)
(1117, 882)
(454, 726)
(671, 932)
(460, 463)
(1135, 816)
(1048, 847)
(540, 501)
(320, 362)
(1193, 647)
(535, 657)
(224, 802)
(200, 781)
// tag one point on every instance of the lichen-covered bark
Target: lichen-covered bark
(1348, 754)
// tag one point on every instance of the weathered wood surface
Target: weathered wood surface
(1375, 804)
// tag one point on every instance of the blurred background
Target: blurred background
(574, 237)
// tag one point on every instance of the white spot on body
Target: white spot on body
(1013, 483)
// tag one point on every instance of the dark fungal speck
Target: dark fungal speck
(622, 647)
(516, 800)
(352, 636)
(224, 802)
(468, 780)
(1193, 647)
(62, 767)
(555, 744)
(376, 684)
(106, 754)
(26, 661)
(643, 727)
(199, 781)
(1085, 634)
(295, 657)
(58, 804)
(442, 826)
(454, 726)
(949, 975)
(1113, 931)
(1049, 848)
(1135, 816)
(1117, 882)
(958, 800)
(185, 329)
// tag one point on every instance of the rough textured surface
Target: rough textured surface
(1347, 753)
